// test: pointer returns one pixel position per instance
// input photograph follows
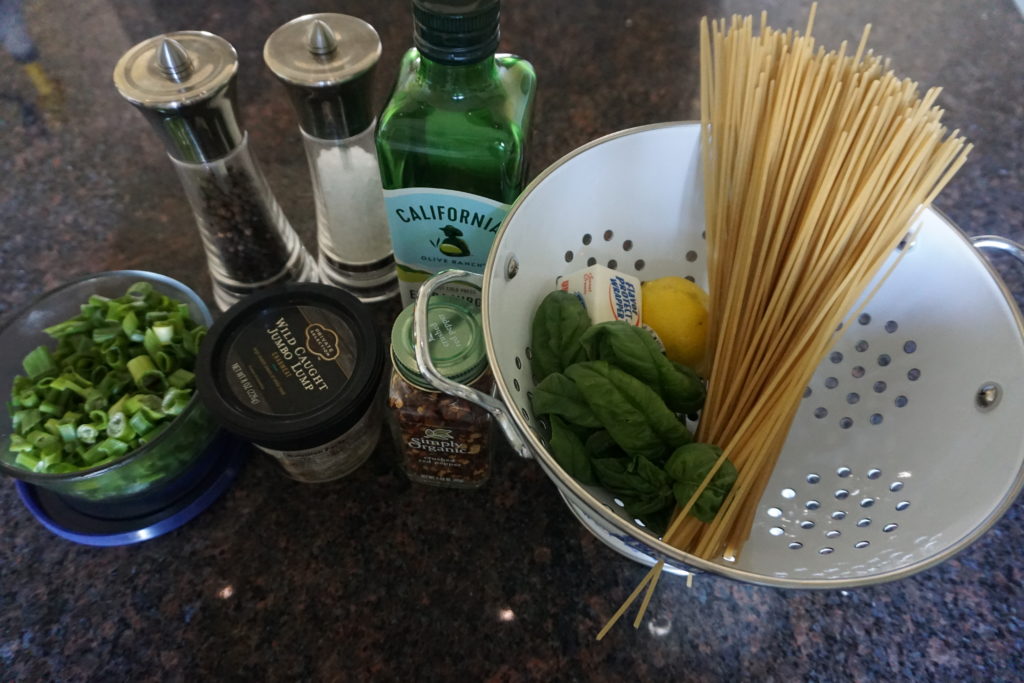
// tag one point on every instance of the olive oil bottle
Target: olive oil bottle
(452, 140)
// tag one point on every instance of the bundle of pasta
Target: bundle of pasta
(815, 164)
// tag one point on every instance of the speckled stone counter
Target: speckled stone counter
(369, 578)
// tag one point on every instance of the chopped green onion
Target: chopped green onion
(120, 371)
(114, 356)
(130, 325)
(164, 331)
(147, 404)
(140, 424)
(68, 433)
(175, 401)
(71, 382)
(19, 444)
(87, 433)
(50, 408)
(27, 461)
(151, 343)
(68, 327)
(40, 438)
(119, 427)
(140, 290)
(146, 375)
(99, 418)
(26, 420)
(39, 363)
(52, 426)
(181, 378)
(101, 335)
(95, 400)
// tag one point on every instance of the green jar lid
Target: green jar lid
(456, 341)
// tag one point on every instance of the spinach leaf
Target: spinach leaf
(634, 415)
(634, 350)
(688, 466)
(559, 395)
(558, 324)
(567, 449)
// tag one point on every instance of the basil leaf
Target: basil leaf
(602, 445)
(558, 324)
(633, 349)
(645, 489)
(632, 477)
(689, 391)
(634, 415)
(657, 521)
(567, 449)
(688, 466)
(559, 395)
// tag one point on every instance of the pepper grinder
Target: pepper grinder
(184, 84)
(326, 61)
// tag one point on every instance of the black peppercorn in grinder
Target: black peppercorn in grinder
(184, 84)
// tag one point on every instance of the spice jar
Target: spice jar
(326, 61)
(297, 370)
(184, 84)
(440, 439)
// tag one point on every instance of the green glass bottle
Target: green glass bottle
(452, 140)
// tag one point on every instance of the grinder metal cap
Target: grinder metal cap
(327, 61)
(184, 83)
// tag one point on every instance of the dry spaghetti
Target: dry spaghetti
(815, 164)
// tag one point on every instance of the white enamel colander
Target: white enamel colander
(909, 443)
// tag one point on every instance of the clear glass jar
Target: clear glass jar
(249, 242)
(352, 229)
(441, 439)
(298, 371)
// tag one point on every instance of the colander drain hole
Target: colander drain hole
(856, 351)
(835, 525)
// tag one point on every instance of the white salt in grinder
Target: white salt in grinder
(326, 62)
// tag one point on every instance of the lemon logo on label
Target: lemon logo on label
(322, 342)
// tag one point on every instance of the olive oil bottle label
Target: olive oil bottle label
(434, 230)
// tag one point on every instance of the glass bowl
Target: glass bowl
(142, 470)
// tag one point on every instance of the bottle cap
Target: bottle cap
(456, 341)
(184, 83)
(327, 61)
(292, 367)
(456, 31)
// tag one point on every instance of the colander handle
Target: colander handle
(1008, 247)
(498, 410)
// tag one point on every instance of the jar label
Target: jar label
(434, 230)
(440, 454)
(290, 361)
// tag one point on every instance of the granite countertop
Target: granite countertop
(369, 578)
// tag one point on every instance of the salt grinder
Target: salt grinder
(326, 61)
(184, 84)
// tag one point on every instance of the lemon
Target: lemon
(677, 310)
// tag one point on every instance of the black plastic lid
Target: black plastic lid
(456, 31)
(292, 367)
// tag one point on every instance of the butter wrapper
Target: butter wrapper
(606, 294)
